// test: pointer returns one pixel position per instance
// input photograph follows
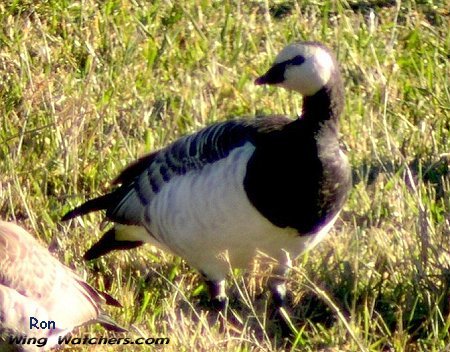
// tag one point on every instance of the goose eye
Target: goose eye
(297, 60)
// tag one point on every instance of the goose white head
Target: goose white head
(305, 67)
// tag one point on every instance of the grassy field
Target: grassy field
(86, 87)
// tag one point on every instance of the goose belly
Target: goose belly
(205, 217)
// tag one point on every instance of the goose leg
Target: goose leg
(277, 282)
(277, 286)
(219, 299)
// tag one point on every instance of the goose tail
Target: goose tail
(109, 242)
(99, 203)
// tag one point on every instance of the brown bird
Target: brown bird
(36, 290)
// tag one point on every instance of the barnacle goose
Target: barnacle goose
(272, 184)
(33, 284)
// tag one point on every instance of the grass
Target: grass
(86, 87)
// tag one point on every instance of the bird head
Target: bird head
(305, 67)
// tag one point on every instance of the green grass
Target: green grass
(86, 87)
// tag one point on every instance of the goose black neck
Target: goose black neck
(326, 104)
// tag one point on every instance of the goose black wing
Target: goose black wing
(143, 179)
